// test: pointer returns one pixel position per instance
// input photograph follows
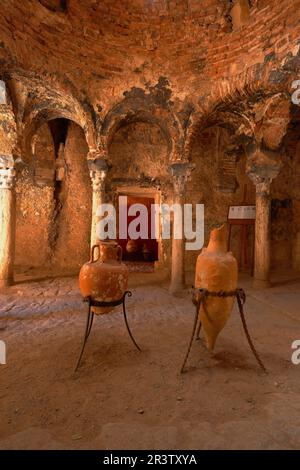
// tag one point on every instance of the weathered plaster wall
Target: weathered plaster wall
(34, 203)
(295, 223)
(73, 224)
(138, 151)
(203, 188)
(8, 133)
(139, 155)
(54, 217)
(282, 214)
(287, 210)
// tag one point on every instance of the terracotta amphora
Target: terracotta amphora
(216, 270)
(105, 277)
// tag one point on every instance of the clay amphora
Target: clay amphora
(104, 278)
(216, 270)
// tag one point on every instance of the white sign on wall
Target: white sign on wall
(241, 212)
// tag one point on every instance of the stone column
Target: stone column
(7, 220)
(98, 171)
(180, 172)
(262, 173)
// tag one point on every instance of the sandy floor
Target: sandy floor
(121, 398)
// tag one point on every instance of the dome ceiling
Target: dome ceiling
(108, 37)
(87, 58)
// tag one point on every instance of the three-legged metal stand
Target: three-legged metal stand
(90, 318)
(199, 298)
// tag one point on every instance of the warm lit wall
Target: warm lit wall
(73, 224)
(204, 189)
(8, 136)
(138, 151)
(139, 155)
(282, 226)
(34, 203)
(295, 223)
(53, 222)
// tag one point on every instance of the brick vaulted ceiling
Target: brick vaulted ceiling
(99, 50)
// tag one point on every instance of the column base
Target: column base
(177, 289)
(6, 283)
(261, 284)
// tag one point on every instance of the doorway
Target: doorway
(141, 253)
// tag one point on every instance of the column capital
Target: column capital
(262, 178)
(262, 186)
(97, 154)
(263, 165)
(181, 171)
(7, 172)
(98, 170)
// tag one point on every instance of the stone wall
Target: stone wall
(204, 187)
(73, 223)
(283, 212)
(295, 223)
(54, 217)
(169, 61)
(8, 134)
(138, 152)
(139, 155)
(34, 203)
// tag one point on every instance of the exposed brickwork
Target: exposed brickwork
(181, 66)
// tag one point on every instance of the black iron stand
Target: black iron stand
(90, 318)
(199, 298)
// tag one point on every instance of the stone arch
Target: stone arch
(215, 144)
(260, 82)
(140, 110)
(51, 111)
(272, 120)
(229, 142)
(55, 195)
(8, 126)
(229, 114)
(240, 130)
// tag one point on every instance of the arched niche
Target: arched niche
(139, 154)
(219, 180)
(54, 199)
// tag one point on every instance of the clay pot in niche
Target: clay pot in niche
(132, 246)
(147, 253)
(104, 277)
(216, 270)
